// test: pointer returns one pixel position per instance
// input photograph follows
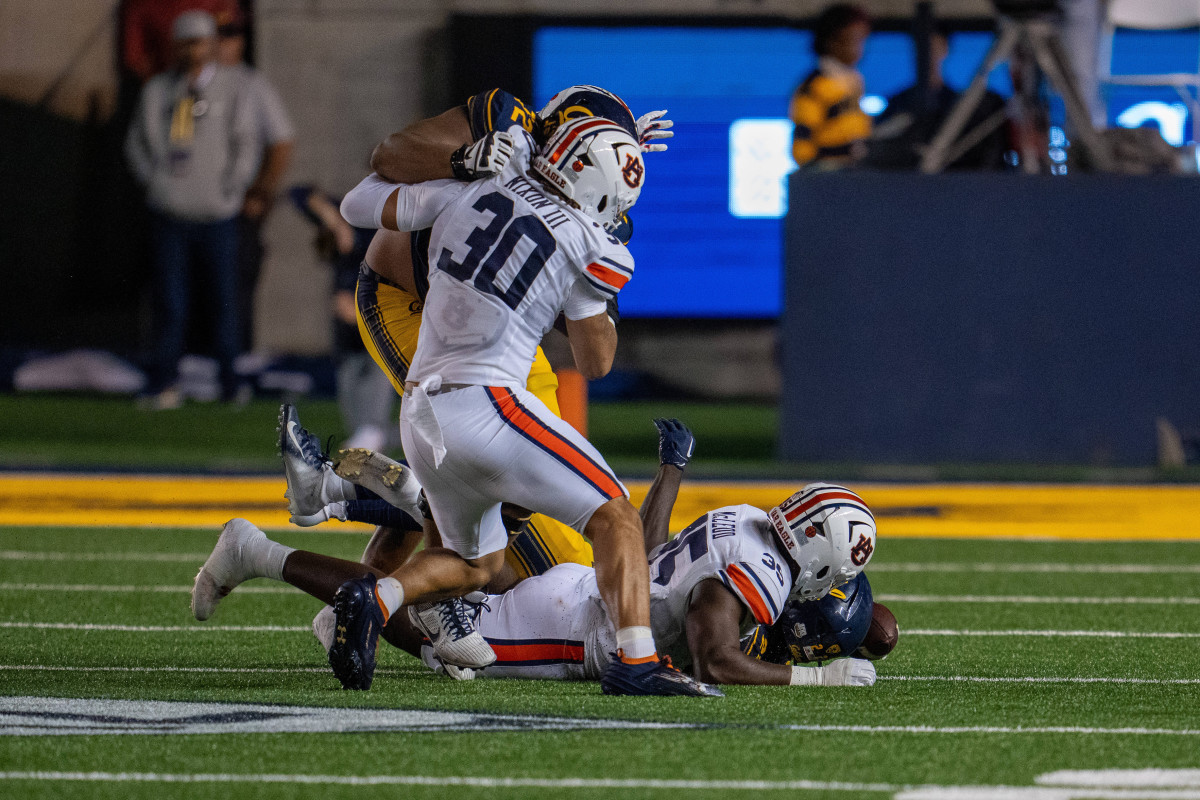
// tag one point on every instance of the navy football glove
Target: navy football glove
(675, 442)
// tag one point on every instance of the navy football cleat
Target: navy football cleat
(358, 619)
(652, 678)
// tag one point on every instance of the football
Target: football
(881, 636)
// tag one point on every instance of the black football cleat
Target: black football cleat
(652, 678)
(358, 619)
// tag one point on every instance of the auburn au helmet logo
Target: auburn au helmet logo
(633, 171)
(861, 551)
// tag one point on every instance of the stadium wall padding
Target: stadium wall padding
(988, 318)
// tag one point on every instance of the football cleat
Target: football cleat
(227, 566)
(452, 634)
(652, 678)
(358, 619)
(311, 482)
(389, 479)
(323, 626)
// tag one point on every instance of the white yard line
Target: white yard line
(96, 588)
(1050, 599)
(1033, 679)
(324, 671)
(1051, 634)
(451, 780)
(88, 626)
(1086, 569)
(46, 555)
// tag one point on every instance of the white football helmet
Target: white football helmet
(595, 164)
(829, 532)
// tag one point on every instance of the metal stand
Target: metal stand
(1039, 36)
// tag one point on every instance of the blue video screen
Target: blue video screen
(708, 226)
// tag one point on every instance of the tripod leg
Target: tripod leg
(1053, 60)
(936, 155)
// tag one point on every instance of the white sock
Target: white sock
(808, 676)
(636, 643)
(268, 558)
(334, 487)
(390, 594)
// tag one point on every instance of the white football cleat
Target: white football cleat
(452, 633)
(323, 626)
(386, 477)
(311, 481)
(230, 563)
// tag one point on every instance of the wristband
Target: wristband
(458, 164)
(807, 676)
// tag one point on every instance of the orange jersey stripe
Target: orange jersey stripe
(549, 439)
(610, 276)
(757, 607)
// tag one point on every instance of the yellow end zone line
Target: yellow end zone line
(1000, 511)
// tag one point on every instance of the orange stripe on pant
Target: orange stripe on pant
(540, 651)
(551, 440)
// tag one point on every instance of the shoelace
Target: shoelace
(454, 619)
(310, 447)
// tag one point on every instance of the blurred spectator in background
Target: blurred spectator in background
(192, 145)
(276, 138)
(831, 128)
(147, 46)
(914, 116)
(365, 395)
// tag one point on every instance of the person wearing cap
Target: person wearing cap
(193, 146)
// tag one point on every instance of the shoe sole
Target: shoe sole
(349, 665)
(379, 474)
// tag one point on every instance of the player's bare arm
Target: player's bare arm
(713, 635)
(593, 344)
(675, 446)
(421, 151)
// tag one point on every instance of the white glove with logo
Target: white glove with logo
(652, 126)
(843, 672)
(483, 158)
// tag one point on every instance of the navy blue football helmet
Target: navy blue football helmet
(585, 101)
(829, 628)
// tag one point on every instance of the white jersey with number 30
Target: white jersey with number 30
(505, 260)
(734, 545)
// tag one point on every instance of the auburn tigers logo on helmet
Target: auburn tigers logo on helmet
(633, 171)
(861, 551)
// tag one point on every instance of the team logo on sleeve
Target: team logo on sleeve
(633, 171)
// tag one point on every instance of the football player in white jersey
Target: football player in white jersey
(513, 252)
(721, 577)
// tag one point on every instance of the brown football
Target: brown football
(881, 636)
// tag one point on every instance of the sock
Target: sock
(268, 557)
(636, 644)
(380, 512)
(390, 595)
(334, 487)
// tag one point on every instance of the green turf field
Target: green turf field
(1016, 661)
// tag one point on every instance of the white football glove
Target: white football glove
(843, 672)
(850, 672)
(652, 126)
(483, 158)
